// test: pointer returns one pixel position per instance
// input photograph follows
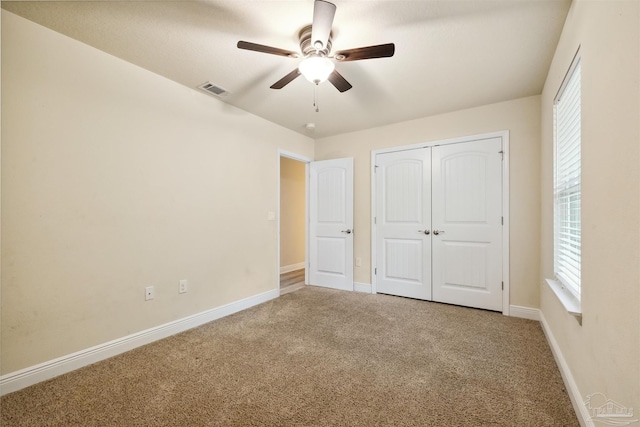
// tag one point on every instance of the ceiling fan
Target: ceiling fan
(315, 45)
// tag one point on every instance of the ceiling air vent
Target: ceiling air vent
(213, 89)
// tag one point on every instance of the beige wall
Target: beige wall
(521, 117)
(113, 179)
(292, 211)
(604, 353)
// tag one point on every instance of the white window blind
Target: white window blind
(567, 192)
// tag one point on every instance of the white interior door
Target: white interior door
(467, 223)
(403, 223)
(331, 223)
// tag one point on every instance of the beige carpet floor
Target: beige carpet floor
(318, 357)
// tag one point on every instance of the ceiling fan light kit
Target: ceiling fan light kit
(316, 69)
(315, 46)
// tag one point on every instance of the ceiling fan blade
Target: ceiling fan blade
(266, 49)
(286, 79)
(369, 52)
(323, 13)
(339, 82)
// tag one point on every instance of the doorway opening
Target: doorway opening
(292, 235)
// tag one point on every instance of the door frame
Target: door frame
(504, 135)
(306, 161)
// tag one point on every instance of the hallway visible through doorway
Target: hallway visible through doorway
(293, 188)
(291, 281)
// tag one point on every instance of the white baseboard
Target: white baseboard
(524, 312)
(362, 287)
(572, 388)
(34, 374)
(292, 267)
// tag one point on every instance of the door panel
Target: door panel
(404, 259)
(467, 214)
(403, 212)
(331, 223)
(333, 259)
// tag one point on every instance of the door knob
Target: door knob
(424, 231)
(348, 231)
(436, 232)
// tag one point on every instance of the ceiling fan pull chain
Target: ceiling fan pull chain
(315, 98)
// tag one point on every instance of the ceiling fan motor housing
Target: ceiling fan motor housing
(306, 45)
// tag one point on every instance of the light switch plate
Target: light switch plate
(183, 286)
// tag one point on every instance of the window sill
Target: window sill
(567, 299)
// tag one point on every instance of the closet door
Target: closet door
(403, 220)
(467, 223)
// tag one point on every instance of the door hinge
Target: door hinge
(375, 271)
(503, 286)
(375, 168)
(375, 220)
(502, 220)
(501, 154)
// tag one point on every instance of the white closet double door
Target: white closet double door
(439, 223)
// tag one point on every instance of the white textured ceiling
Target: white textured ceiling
(450, 54)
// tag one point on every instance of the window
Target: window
(567, 192)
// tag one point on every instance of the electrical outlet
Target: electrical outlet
(358, 262)
(183, 286)
(149, 293)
